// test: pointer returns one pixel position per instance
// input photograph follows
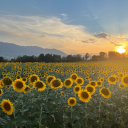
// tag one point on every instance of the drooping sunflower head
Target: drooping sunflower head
(19, 85)
(40, 85)
(56, 83)
(112, 79)
(77, 88)
(72, 101)
(27, 89)
(33, 78)
(125, 80)
(121, 86)
(7, 106)
(105, 92)
(74, 76)
(93, 83)
(68, 83)
(79, 81)
(99, 83)
(1, 92)
(49, 79)
(90, 89)
(7, 81)
(84, 95)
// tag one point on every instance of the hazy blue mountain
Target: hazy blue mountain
(9, 50)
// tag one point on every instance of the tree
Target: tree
(87, 56)
(103, 55)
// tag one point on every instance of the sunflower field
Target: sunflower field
(64, 95)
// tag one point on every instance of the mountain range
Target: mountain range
(10, 50)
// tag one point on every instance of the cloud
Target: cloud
(101, 35)
(116, 44)
(46, 32)
(64, 14)
(89, 41)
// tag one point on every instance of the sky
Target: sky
(71, 26)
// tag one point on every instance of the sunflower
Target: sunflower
(49, 79)
(79, 81)
(125, 80)
(99, 83)
(86, 78)
(40, 85)
(74, 76)
(7, 106)
(24, 79)
(105, 92)
(112, 79)
(68, 83)
(93, 83)
(84, 95)
(62, 93)
(7, 81)
(1, 84)
(90, 89)
(19, 85)
(56, 83)
(72, 101)
(42, 76)
(1, 92)
(121, 86)
(33, 78)
(27, 89)
(18, 77)
(77, 88)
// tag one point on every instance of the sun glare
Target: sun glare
(121, 50)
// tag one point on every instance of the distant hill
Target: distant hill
(9, 50)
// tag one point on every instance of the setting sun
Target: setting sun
(121, 50)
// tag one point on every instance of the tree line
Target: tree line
(112, 55)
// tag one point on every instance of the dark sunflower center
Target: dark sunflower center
(33, 78)
(72, 101)
(112, 79)
(90, 89)
(0, 91)
(56, 83)
(39, 84)
(7, 81)
(99, 83)
(105, 91)
(121, 75)
(19, 85)
(49, 79)
(67, 82)
(74, 77)
(93, 83)
(126, 79)
(24, 79)
(18, 77)
(84, 95)
(7, 106)
(79, 81)
(77, 89)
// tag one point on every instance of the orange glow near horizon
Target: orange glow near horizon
(121, 50)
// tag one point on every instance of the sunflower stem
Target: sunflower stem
(56, 93)
(47, 94)
(14, 118)
(71, 111)
(86, 114)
